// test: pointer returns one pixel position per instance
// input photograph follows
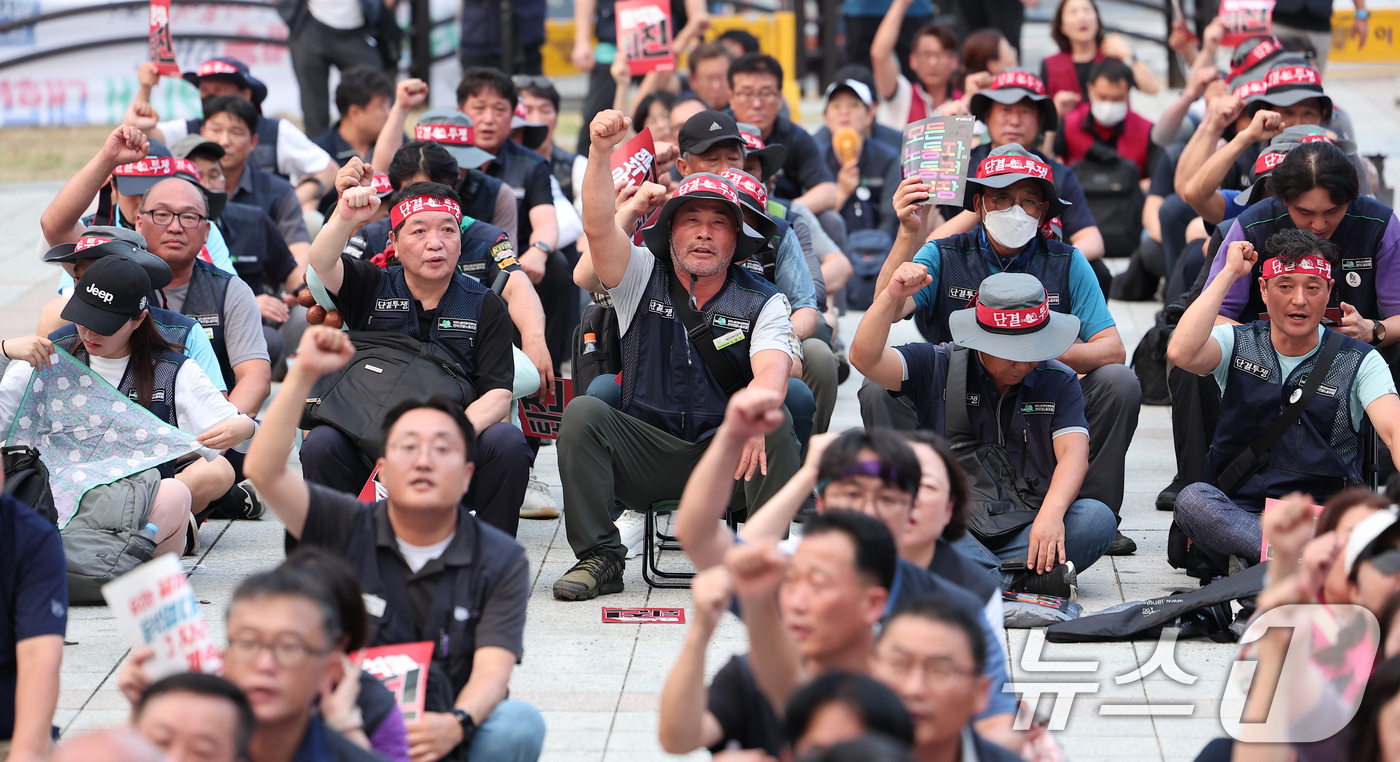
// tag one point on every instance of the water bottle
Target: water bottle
(148, 531)
(141, 551)
(590, 343)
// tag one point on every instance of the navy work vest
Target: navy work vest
(963, 266)
(204, 301)
(478, 192)
(1318, 455)
(561, 164)
(264, 155)
(665, 380)
(167, 366)
(1358, 238)
(454, 325)
(764, 263)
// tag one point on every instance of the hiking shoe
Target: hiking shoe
(1166, 499)
(240, 502)
(632, 526)
(1061, 582)
(1235, 565)
(539, 502)
(1121, 546)
(598, 573)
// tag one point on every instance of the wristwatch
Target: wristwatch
(542, 246)
(468, 724)
(1377, 333)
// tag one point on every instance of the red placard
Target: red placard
(635, 162)
(162, 43)
(403, 668)
(643, 615)
(644, 35)
(1245, 19)
(540, 418)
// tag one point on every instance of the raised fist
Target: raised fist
(609, 128)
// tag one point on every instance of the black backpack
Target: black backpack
(1115, 199)
(27, 480)
(868, 250)
(606, 357)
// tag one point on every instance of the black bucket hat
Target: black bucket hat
(702, 186)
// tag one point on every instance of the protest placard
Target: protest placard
(155, 607)
(937, 149)
(1245, 19)
(635, 162)
(403, 669)
(644, 35)
(540, 418)
(162, 42)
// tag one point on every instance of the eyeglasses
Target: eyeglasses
(935, 669)
(1001, 202)
(410, 449)
(163, 218)
(768, 96)
(287, 652)
(853, 499)
(530, 80)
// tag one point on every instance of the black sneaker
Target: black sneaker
(1166, 499)
(1121, 546)
(598, 573)
(1061, 582)
(240, 502)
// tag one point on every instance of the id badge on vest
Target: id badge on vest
(209, 323)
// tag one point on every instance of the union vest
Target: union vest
(561, 163)
(246, 232)
(204, 301)
(765, 263)
(963, 267)
(665, 380)
(167, 367)
(478, 192)
(1358, 238)
(172, 325)
(1320, 454)
(1060, 75)
(454, 326)
(264, 155)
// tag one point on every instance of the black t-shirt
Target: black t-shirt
(803, 170)
(495, 367)
(743, 713)
(527, 173)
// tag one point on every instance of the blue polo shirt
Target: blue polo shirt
(33, 592)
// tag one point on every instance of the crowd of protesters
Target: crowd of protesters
(696, 312)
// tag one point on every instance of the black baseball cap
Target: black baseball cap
(111, 292)
(706, 130)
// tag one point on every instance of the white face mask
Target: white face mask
(1012, 228)
(1109, 113)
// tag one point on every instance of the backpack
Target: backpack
(388, 368)
(1183, 554)
(27, 480)
(867, 250)
(1114, 197)
(103, 541)
(1150, 364)
(606, 359)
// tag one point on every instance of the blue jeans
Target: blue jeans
(1089, 529)
(1217, 525)
(514, 732)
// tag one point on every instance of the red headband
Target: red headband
(748, 185)
(701, 183)
(187, 166)
(1293, 75)
(87, 242)
(451, 134)
(409, 207)
(216, 67)
(753, 142)
(1022, 79)
(1025, 320)
(381, 184)
(1252, 87)
(1264, 49)
(1309, 265)
(151, 166)
(1020, 165)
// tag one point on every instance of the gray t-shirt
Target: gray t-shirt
(242, 320)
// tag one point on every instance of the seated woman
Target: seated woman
(1079, 33)
(116, 338)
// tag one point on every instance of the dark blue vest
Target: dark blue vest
(963, 266)
(478, 192)
(764, 264)
(167, 367)
(1319, 455)
(665, 381)
(204, 301)
(454, 326)
(1358, 238)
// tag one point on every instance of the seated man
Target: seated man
(1026, 391)
(33, 619)
(193, 716)
(1261, 368)
(1012, 195)
(429, 568)
(363, 98)
(282, 654)
(1106, 118)
(708, 329)
(865, 179)
(425, 297)
(756, 82)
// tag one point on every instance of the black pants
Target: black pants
(602, 89)
(527, 61)
(860, 34)
(314, 50)
(498, 488)
(1005, 16)
(559, 297)
(1195, 409)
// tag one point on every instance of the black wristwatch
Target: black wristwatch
(468, 724)
(1377, 333)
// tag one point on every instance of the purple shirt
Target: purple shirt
(1387, 259)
